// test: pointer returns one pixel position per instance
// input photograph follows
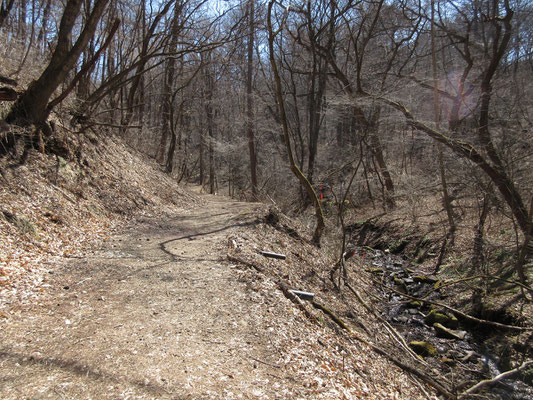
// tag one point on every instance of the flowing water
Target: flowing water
(465, 361)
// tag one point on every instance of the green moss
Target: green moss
(441, 318)
(424, 349)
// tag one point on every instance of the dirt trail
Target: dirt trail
(157, 313)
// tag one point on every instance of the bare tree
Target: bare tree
(283, 116)
(249, 97)
(32, 106)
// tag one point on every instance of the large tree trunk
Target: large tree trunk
(283, 117)
(250, 102)
(32, 106)
(170, 71)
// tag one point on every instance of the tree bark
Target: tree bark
(31, 106)
(250, 99)
(283, 116)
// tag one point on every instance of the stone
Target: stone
(423, 349)
(441, 318)
(446, 333)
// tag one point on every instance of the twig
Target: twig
(497, 378)
(264, 362)
(332, 315)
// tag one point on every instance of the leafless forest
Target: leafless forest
(405, 126)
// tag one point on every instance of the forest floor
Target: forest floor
(157, 311)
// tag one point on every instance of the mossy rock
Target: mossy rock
(441, 318)
(424, 349)
(445, 333)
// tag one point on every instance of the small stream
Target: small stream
(464, 358)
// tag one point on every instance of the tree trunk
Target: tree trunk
(170, 71)
(250, 99)
(383, 171)
(143, 59)
(31, 106)
(315, 97)
(436, 115)
(5, 8)
(283, 116)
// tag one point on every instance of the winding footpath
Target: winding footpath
(156, 313)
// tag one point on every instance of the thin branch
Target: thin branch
(496, 379)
